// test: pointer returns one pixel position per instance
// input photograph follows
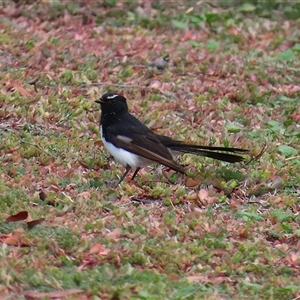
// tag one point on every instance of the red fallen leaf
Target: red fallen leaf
(57, 294)
(33, 223)
(187, 35)
(296, 117)
(20, 216)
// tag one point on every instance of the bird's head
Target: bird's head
(112, 103)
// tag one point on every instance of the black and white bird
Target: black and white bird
(134, 145)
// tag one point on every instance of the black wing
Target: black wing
(133, 136)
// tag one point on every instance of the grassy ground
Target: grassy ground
(227, 232)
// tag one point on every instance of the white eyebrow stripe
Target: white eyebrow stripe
(123, 138)
(112, 96)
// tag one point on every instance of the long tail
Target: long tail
(232, 158)
(207, 151)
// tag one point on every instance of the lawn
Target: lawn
(225, 231)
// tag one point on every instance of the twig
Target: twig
(116, 84)
(38, 147)
(146, 200)
(34, 82)
(293, 157)
(263, 150)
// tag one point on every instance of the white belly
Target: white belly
(125, 157)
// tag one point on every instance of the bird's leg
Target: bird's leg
(128, 168)
(135, 172)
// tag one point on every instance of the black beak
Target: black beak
(99, 101)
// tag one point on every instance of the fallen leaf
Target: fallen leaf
(243, 233)
(20, 216)
(15, 86)
(104, 252)
(86, 195)
(96, 248)
(205, 279)
(115, 234)
(43, 195)
(99, 249)
(187, 35)
(155, 84)
(13, 240)
(203, 194)
(99, 143)
(190, 183)
(210, 200)
(277, 183)
(33, 223)
(57, 294)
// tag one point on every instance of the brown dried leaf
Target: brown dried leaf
(191, 183)
(104, 252)
(43, 195)
(198, 179)
(57, 294)
(96, 248)
(13, 240)
(277, 183)
(17, 238)
(86, 195)
(20, 216)
(99, 143)
(99, 249)
(15, 86)
(205, 279)
(115, 234)
(203, 194)
(155, 84)
(33, 223)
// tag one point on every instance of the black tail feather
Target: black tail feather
(232, 158)
(208, 151)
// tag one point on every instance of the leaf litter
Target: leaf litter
(211, 229)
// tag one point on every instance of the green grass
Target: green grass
(232, 80)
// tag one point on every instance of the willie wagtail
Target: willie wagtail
(134, 145)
